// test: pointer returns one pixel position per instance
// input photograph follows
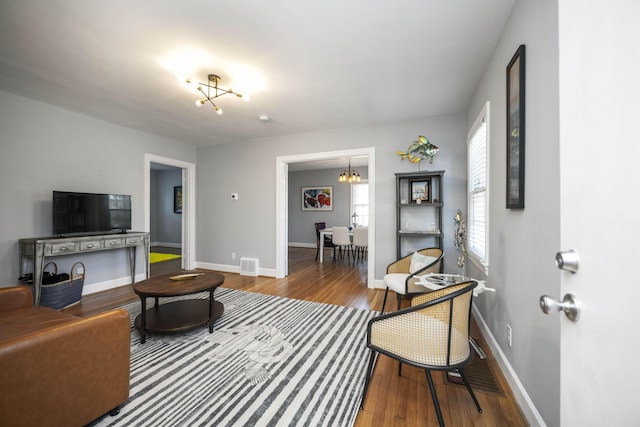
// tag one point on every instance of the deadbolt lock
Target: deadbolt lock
(568, 260)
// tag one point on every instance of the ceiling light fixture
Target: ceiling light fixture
(213, 91)
(349, 175)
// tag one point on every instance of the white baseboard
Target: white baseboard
(267, 272)
(302, 245)
(92, 288)
(166, 245)
(520, 393)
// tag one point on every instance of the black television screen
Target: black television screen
(90, 212)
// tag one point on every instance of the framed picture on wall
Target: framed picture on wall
(317, 198)
(177, 199)
(515, 130)
(421, 190)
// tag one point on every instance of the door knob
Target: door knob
(568, 260)
(569, 305)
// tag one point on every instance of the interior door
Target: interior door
(600, 210)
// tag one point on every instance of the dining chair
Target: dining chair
(341, 240)
(360, 241)
(401, 274)
(432, 334)
(327, 240)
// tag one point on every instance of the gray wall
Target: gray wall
(301, 229)
(247, 226)
(523, 242)
(166, 225)
(46, 148)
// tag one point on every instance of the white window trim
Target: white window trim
(484, 114)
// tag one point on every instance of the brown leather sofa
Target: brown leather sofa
(57, 369)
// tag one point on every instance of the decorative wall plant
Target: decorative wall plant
(460, 238)
(420, 150)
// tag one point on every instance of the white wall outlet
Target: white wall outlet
(510, 335)
(234, 196)
(233, 255)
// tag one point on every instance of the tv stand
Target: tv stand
(40, 248)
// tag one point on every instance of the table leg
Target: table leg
(132, 264)
(211, 301)
(322, 247)
(143, 320)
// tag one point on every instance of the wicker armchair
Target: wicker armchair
(400, 276)
(433, 334)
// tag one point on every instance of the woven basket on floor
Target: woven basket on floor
(65, 293)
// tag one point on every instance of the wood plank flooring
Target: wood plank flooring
(392, 400)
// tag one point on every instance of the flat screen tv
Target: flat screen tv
(86, 213)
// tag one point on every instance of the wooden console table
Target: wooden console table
(40, 248)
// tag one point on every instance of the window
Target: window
(360, 202)
(478, 218)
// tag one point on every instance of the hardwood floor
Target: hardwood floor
(392, 400)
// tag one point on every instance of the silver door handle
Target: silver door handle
(569, 305)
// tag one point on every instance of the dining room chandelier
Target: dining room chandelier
(213, 91)
(349, 175)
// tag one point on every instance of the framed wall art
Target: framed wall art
(177, 199)
(421, 190)
(317, 198)
(516, 129)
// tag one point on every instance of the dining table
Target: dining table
(329, 232)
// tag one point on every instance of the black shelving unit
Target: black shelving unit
(419, 203)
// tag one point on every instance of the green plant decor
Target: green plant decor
(420, 150)
(460, 238)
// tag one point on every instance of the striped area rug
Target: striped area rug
(270, 361)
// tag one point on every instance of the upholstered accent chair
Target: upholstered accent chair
(341, 240)
(401, 274)
(360, 242)
(432, 334)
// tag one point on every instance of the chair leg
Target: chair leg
(384, 301)
(434, 396)
(368, 378)
(473, 395)
(399, 300)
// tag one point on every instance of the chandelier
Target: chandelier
(349, 175)
(213, 91)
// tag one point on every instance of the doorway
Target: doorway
(187, 215)
(282, 202)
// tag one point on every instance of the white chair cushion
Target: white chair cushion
(419, 261)
(396, 282)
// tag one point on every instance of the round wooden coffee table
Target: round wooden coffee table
(181, 315)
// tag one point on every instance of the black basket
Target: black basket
(64, 293)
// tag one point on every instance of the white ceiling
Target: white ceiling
(313, 65)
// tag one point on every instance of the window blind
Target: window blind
(477, 222)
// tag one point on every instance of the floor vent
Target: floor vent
(249, 266)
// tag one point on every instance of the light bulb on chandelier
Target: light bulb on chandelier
(349, 175)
